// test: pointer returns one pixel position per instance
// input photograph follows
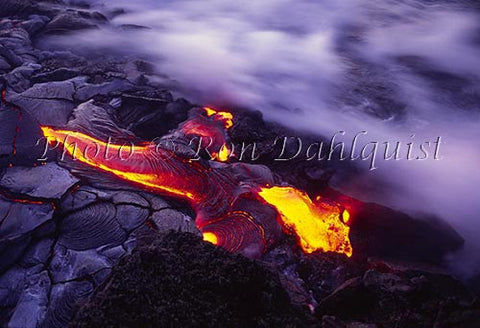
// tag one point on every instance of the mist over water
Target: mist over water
(392, 68)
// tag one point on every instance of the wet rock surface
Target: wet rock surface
(63, 232)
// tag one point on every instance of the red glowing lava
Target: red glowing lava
(232, 211)
(3, 96)
(213, 131)
(225, 117)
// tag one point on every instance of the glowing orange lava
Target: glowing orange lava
(213, 131)
(225, 117)
(223, 154)
(124, 161)
(317, 225)
(224, 216)
(210, 237)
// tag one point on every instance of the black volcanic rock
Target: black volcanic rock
(169, 219)
(4, 65)
(141, 106)
(49, 103)
(18, 44)
(402, 299)
(381, 232)
(16, 7)
(63, 298)
(92, 227)
(85, 91)
(60, 74)
(18, 80)
(33, 298)
(17, 223)
(34, 24)
(9, 57)
(73, 20)
(51, 90)
(45, 181)
(179, 281)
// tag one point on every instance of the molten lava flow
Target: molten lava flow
(210, 192)
(317, 225)
(210, 237)
(223, 154)
(112, 158)
(227, 120)
(213, 131)
(225, 117)
(346, 217)
(232, 210)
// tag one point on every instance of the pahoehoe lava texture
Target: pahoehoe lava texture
(180, 281)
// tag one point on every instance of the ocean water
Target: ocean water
(405, 71)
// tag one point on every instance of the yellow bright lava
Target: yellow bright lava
(226, 117)
(346, 216)
(76, 142)
(317, 225)
(210, 237)
(210, 111)
(223, 154)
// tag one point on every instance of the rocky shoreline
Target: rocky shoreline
(62, 236)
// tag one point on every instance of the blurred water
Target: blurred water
(393, 68)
